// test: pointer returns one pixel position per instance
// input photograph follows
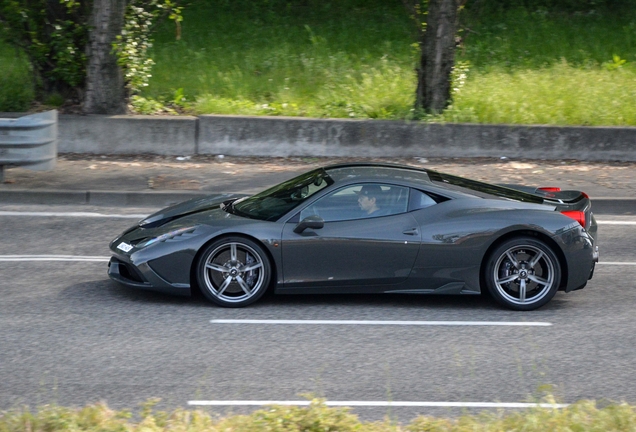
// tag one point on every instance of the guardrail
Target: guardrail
(29, 141)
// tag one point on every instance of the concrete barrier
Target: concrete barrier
(122, 134)
(276, 136)
(290, 136)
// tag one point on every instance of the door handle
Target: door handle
(411, 231)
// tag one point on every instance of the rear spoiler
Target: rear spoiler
(572, 203)
(551, 194)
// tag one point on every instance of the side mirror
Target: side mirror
(313, 222)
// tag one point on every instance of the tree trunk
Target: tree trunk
(438, 57)
(105, 89)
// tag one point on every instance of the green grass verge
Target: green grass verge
(582, 416)
(331, 59)
(356, 59)
(560, 94)
(342, 59)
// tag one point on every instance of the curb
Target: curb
(98, 198)
(609, 206)
(614, 206)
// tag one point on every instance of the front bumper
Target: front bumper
(124, 272)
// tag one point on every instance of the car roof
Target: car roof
(451, 185)
(379, 172)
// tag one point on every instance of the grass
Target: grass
(582, 416)
(356, 59)
(560, 94)
(527, 67)
(302, 60)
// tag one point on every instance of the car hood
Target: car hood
(187, 208)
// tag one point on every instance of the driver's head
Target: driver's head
(368, 197)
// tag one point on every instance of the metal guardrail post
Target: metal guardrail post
(29, 141)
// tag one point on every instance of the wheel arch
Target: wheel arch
(525, 233)
(194, 285)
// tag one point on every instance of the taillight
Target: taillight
(585, 195)
(550, 189)
(578, 216)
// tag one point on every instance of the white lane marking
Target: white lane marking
(72, 214)
(376, 404)
(615, 263)
(399, 323)
(602, 222)
(54, 258)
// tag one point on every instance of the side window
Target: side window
(420, 200)
(359, 202)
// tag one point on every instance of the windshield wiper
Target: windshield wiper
(228, 206)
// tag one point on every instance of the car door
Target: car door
(353, 248)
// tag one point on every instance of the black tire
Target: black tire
(522, 273)
(233, 272)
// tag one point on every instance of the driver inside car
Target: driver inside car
(369, 200)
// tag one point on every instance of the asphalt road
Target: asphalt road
(71, 336)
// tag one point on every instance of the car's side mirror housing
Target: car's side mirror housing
(313, 222)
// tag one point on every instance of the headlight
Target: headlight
(168, 236)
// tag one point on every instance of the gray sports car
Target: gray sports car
(367, 228)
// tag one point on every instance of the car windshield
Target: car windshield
(274, 202)
(481, 189)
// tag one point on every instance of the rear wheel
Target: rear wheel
(523, 273)
(233, 272)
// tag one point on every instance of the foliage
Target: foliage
(616, 63)
(53, 36)
(318, 61)
(543, 61)
(581, 416)
(16, 89)
(569, 6)
(459, 76)
(132, 46)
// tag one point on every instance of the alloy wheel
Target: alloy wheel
(234, 273)
(524, 274)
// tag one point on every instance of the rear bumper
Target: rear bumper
(581, 254)
(595, 257)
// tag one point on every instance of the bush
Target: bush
(16, 89)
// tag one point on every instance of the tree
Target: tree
(105, 87)
(437, 47)
(94, 52)
(438, 56)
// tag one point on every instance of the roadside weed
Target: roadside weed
(581, 416)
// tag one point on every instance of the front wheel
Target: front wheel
(523, 274)
(233, 272)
